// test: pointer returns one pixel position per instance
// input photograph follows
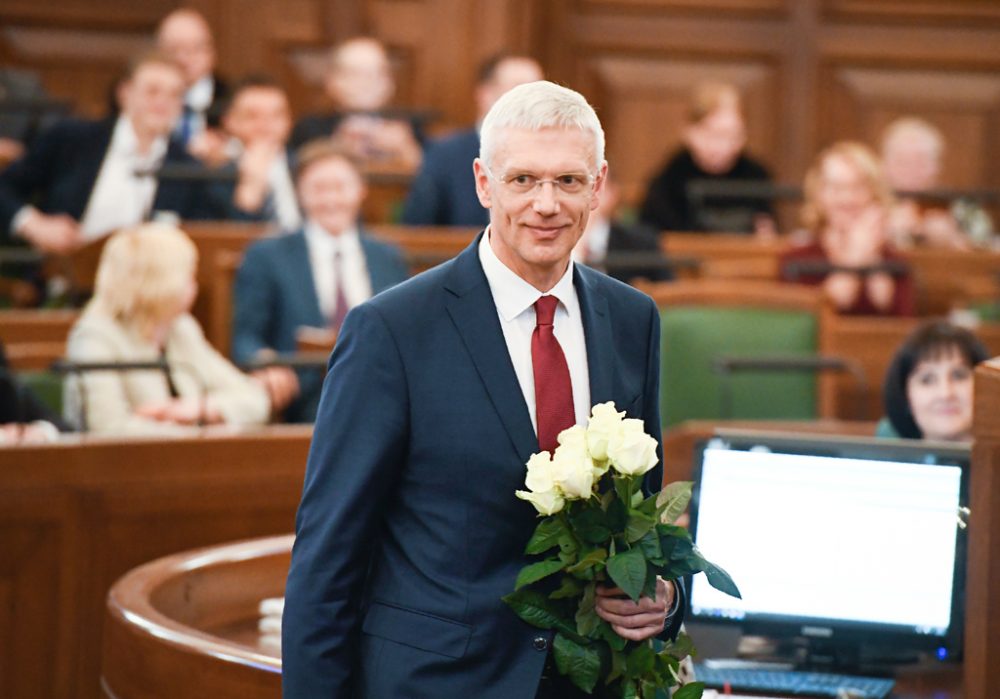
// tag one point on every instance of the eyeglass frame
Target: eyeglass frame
(537, 187)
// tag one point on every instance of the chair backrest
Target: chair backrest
(704, 320)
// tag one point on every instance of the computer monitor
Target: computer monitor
(854, 549)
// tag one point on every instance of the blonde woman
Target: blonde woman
(847, 202)
(140, 313)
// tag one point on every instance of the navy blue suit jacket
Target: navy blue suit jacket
(409, 533)
(58, 174)
(443, 192)
(275, 294)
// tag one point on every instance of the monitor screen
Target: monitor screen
(828, 537)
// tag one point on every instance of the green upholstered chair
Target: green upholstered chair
(47, 387)
(703, 320)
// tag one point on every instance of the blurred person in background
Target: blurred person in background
(713, 149)
(310, 278)
(83, 179)
(185, 36)
(361, 86)
(140, 312)
(912, 154)
(846, 211)
(636, 247)
(253, 141)
(24, 418)
(443, 192)
(927, 393)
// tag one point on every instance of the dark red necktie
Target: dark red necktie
(340, 312)
(553, 389)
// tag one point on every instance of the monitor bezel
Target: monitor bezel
(873, 636)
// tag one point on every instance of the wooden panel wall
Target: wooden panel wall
(812, 71)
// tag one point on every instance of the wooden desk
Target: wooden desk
(33, 339)
(186, 625)
(77, 515)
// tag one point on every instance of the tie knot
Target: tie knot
(545, 310)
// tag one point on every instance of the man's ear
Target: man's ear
(482, 183)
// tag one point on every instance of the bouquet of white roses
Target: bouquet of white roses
(598, 527)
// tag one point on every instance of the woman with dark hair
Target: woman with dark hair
(928, 388)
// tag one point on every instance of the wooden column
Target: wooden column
(982, 612)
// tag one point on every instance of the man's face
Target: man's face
(152, 99)
(331, 192)
(508, 75)
(912, 163)
(533, 233)
(260, 114)
(361, 78)
(187, 39)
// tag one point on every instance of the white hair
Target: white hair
(535, 106)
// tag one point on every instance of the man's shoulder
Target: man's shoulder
(274, 246)
(74, 131)
(447, 150)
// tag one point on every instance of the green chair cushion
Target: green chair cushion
(694, 336)
(47, 387)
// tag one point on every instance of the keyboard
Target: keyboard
(794, 683)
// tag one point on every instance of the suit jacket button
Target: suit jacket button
(540, 643)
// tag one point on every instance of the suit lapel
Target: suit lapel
(374, 261)
(597, 336)
(300, 277)
(472, 310)
(93, 151)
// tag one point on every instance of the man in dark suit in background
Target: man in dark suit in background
(409, 532)
(624, 251)
(311, 278)
(185, 36)
(443, 192)
(83, 179)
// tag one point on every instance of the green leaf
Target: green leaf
(648, 689)
(617, 666)
(536, 609)
(628, 571)
(630, 690)
(673, 500)
(648, 506)
(680, 648)
(605, 631)
(546, 535)
(637, 526)
(595, 557)
(623, 488)
(641, 661)
(591, 525)
(580, 663)
(586, 618)
(570, 587)
(720, 580)
(692, 690)
(617, 515)
(568, 546)
(650, 545)
(537, 571)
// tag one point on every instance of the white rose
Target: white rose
(574, 469)
(547, 502)
(631, 451)
(541, 474)
(605, 422)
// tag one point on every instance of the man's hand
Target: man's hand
(282, 385)
(56, 233)
(635, 621)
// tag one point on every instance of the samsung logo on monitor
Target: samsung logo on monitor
(817, 631)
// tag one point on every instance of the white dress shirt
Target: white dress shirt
(515, 299)
(119, 197)
(322, 248)
(198, 99)
(286, 206)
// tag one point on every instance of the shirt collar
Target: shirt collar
(125, 142)
(348, 241)
(199, 96)
(512, 294)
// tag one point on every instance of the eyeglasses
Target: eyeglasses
(525, 183)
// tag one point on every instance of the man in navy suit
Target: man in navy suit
(443, 192)
(310, 278)
(409, 533)
(82, 179)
